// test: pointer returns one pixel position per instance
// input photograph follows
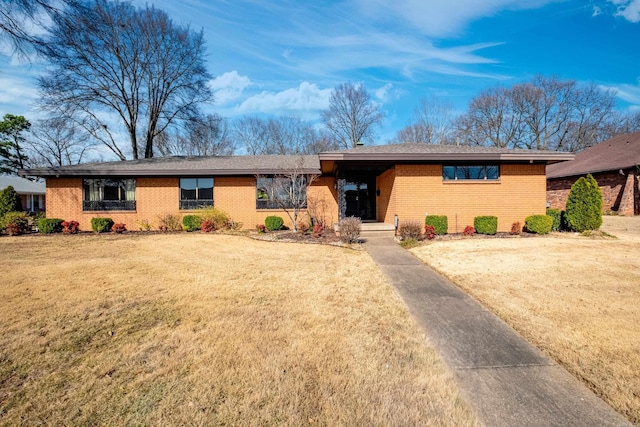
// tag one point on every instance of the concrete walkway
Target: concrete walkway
(505, 379)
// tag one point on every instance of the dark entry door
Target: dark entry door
(360, 199)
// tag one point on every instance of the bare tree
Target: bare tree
(202, 136)
(352, 115)
(58, 141)
(432, 123)
(544, 114)
(114, 62)
(279, 135)
(21, 20)
(287, 190)
(621, 123)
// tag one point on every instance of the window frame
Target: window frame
(93, 194)
(197, 202)
(466, 173)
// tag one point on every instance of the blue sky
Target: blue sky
(284, 57)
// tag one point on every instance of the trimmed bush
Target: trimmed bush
(9, 201)
(539, 224)
(191, 222)
(273, 222)
(584, 205)
(15, 223)
(439, 222)
(410, 230)
(349, 229)
(556, 214)
(50, 225)
(101, 225)
(486, 224)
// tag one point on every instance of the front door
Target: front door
(360, 199)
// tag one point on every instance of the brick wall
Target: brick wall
(160, 196)
(420, 189)
(618, 191)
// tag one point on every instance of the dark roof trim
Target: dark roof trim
(55, 172)
(450, 157)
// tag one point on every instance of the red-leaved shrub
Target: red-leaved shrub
(429, 231)
(118, 228)
(70, 227)
(468, 231)
(515, 228)
(207, 226)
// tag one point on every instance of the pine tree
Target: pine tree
(584, 205)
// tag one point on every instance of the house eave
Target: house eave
(116, 172)
(449, 157)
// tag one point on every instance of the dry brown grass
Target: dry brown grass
(194, 329)
(575, 297)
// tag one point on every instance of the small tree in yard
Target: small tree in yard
(584, 205)
(287, 190)
(9, 201)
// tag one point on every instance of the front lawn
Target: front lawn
(199, 329)
(577, 298)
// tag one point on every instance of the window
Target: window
(281, 192)
(455, 173)
(196, 193)
(109, 195)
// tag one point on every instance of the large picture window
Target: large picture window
(481, 172)
(281, 192)
(108, 194)
(196, 193)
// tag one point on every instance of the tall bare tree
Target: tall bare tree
(545, 113)
(114, 62)
(432, 123)
(58, 141)
(352, 115)
(279, 135)
(202, 136)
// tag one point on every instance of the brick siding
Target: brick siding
(619, 192)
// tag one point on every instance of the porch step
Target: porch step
(375, 228)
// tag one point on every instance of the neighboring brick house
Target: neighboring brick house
(374, 183)
(615, 165)
(32, 194)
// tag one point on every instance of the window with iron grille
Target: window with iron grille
(108, 194)
(470, 172)
(196, 193)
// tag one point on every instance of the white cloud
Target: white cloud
(627, 92)
(306, 97)
(596, 11)
(229, 86)
(383, 93)
(440, 18)
(628, 9)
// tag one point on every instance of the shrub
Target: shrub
(261, 228)
(207, 226)
(409, 243)
(410, 230)
(349, 229)
(556, 214)
(539, 224)
(191, 222)
(169, 222)
(101, 225)
(118, 228)
(50, 225)
(439, 223)
(584, 205)
(9, 201)
(486, 224)
(144, 225)
(468, 231)
(515, 229)
(70, 227)
(429, 231)
(273, 222)
(303, 227)
(219, 218)
(15, 223)
(318, 228)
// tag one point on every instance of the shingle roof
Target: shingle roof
(186, 166)
(619, 152)
(437, 152)
(22, 185)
